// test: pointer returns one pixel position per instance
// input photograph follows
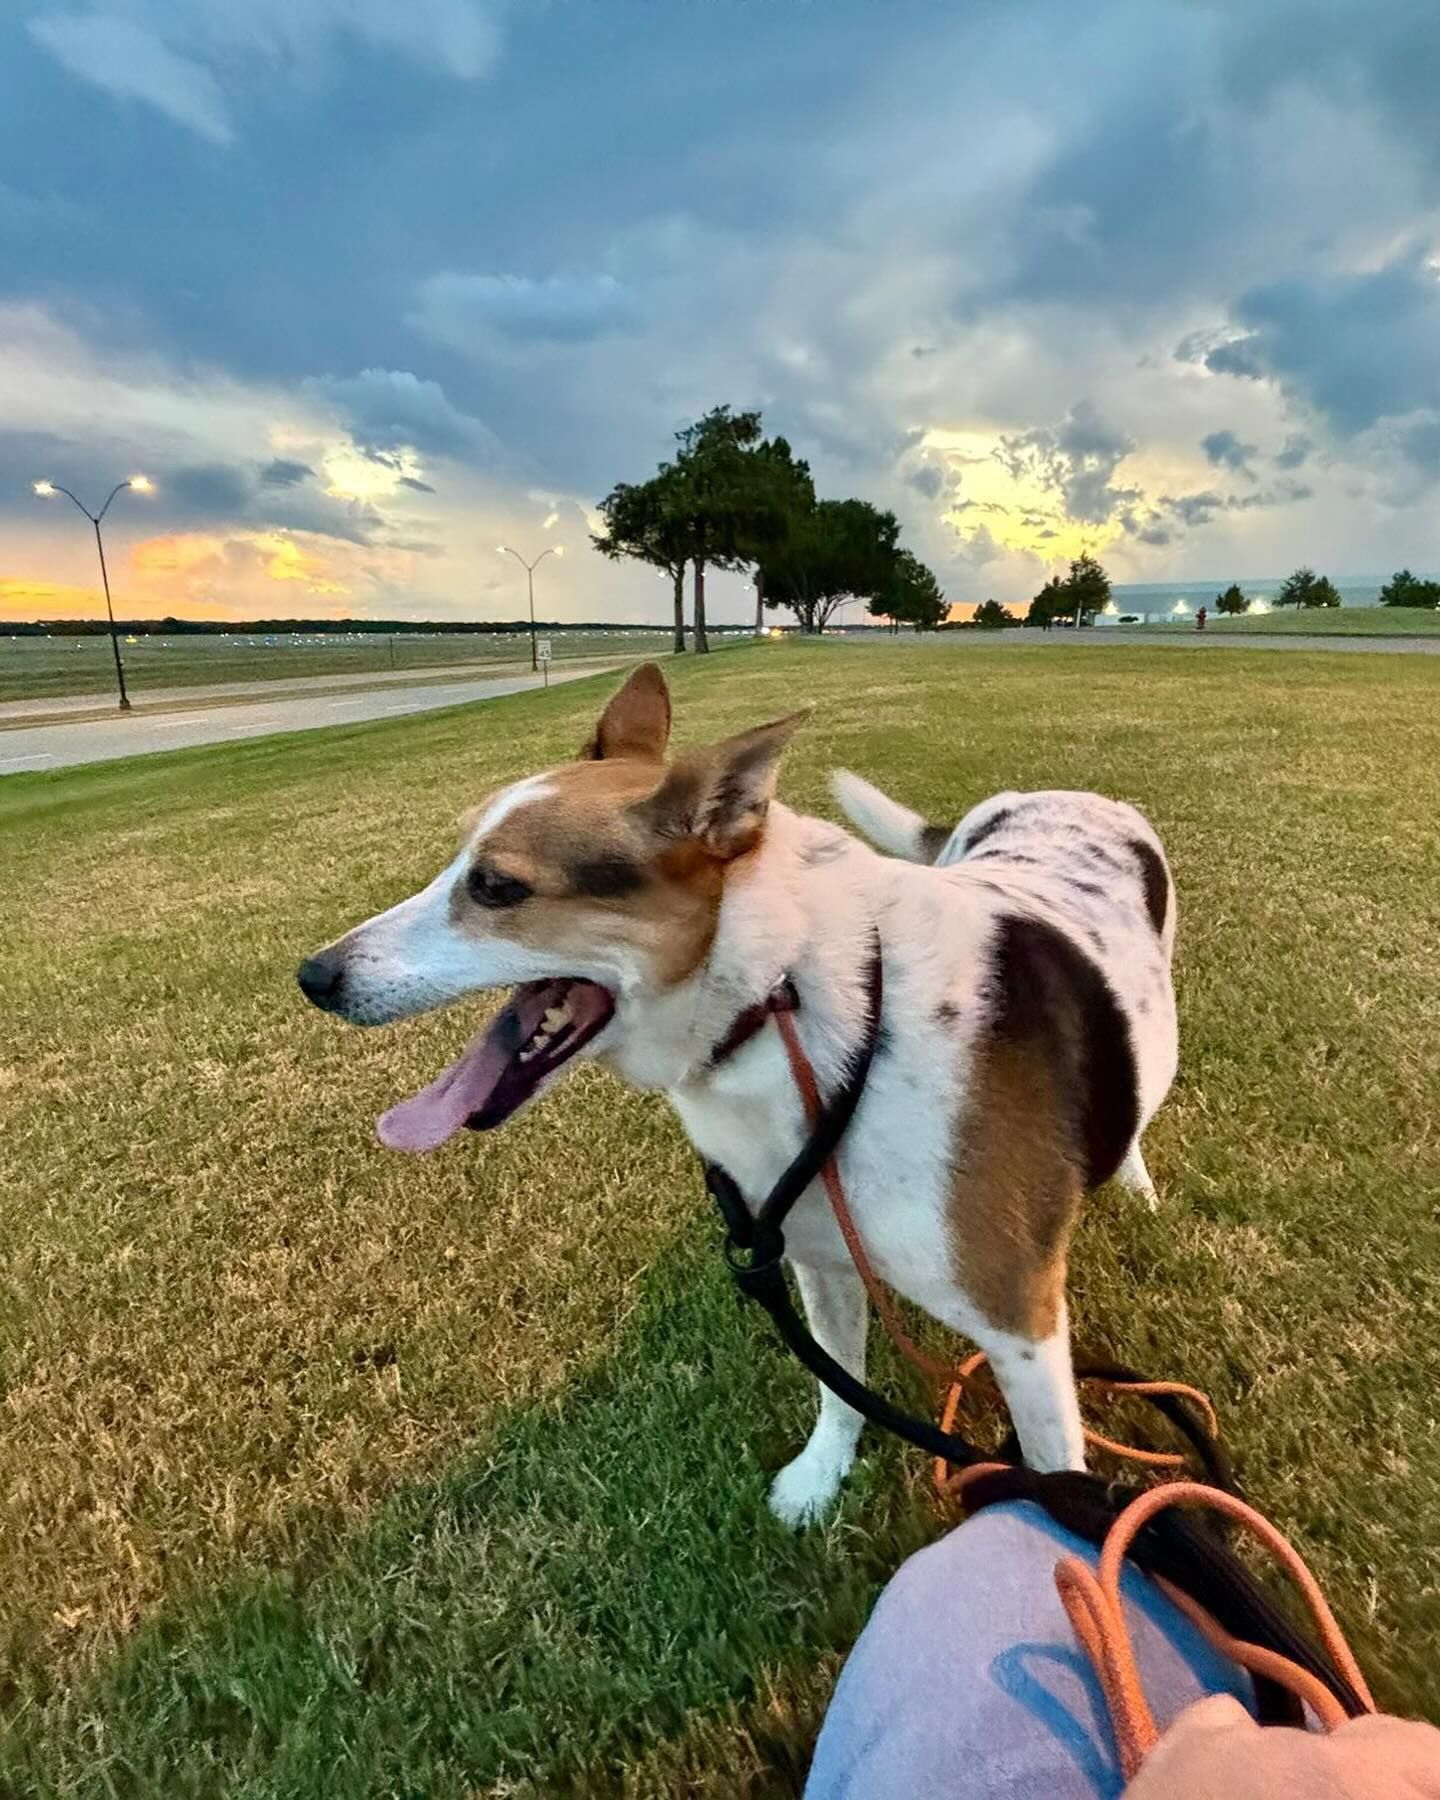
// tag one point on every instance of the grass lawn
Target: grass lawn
(1331, 621)
(39, 668)
(330, 1472)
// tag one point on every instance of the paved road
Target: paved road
(102, 740)
(12, 711)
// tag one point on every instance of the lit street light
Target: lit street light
(141, 484)
(530, 568)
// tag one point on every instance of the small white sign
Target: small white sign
(542, 649)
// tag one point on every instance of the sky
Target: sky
(368, 288)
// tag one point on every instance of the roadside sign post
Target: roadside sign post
(542, 651)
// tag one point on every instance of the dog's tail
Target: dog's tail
(885, 822)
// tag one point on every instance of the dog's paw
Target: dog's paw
(805, 1489)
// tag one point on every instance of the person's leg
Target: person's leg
(968, 1679)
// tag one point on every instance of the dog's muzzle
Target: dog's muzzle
(322, 979)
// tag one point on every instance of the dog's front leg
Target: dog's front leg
(836, 1310)
(1038, 1382)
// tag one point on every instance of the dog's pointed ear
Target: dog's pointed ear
(719, 797)
(636, 723)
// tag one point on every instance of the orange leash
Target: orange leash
(1092, 1603)
(955, 1378)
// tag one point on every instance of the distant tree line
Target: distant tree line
(1085, 591)
(304, 627)
(1306, 589)
(731, 498)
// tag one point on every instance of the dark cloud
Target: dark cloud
(1190, 510)
(1381, 56)
(419, 487)
(210, 490)
(1288, 493)
(1194, 509)
(1354, 349)
(1077, 459)
(283, 473)
(458, 310)
(216, 495)
(1421, 445)
(927, 479)
(387, 410)
(1225, 450)
(1293, 452)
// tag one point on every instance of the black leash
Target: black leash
(1171, 1546)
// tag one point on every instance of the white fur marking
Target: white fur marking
(1038, 1383)
(836, 1309)
(883, 820)
(1133, 1174)
(533, 787)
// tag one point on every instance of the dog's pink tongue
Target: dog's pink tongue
(437, 1112)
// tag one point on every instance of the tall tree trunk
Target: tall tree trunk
(759, 601)
(678, 577)
(702, 643)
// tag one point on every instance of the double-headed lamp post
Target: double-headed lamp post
(530, 568)
(140, 484)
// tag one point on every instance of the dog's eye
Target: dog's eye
(488, 887)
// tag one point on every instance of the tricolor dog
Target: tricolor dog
(639, 907)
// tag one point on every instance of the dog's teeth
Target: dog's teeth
(554, 1019)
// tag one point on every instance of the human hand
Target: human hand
(1216, 1751)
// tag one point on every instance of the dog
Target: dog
(639, 907)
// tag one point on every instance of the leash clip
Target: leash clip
(760, 1277)
(753, 1250)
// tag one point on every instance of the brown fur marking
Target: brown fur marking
(592, 822)
(1016, 1191)
(636, 723)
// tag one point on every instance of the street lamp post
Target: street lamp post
(141, 484)
(530, 568)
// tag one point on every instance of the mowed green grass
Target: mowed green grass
(1332, 621)
(326, 1471)
(40, 668)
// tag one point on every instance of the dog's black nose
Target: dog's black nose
(320, 978)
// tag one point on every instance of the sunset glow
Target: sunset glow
(1012, 505)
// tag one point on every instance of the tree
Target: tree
(1232, 600)
(1307, 589)
(990, 615)
(1405, 589)
(1324, 593)
(1048, 604)
(838, 550)
(731, 495)
(910, 595)
(1087, 588)
(776, 492)
(642, 520)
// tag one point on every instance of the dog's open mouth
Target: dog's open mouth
(539, 1028)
